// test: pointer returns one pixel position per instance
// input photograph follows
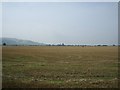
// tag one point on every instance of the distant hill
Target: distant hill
(14, 41)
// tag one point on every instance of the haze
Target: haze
(60, 22)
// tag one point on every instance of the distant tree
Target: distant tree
(49, 44)
(4, 44)
(53, 45)
(62, 44)
(98, 45)
(104, 45)
(113, 44)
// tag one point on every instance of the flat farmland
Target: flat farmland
(59, 67)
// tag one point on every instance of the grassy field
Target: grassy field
(59, 67)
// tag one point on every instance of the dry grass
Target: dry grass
(62, 67)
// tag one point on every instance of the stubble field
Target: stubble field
(59, 67)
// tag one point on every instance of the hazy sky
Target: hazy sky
(69, 23)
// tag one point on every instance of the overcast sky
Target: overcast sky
(69, 23)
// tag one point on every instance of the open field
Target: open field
(62, 67)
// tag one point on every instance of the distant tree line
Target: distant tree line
(62, 44)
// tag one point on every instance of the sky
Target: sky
(61, 22)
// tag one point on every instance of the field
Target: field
(59, 67)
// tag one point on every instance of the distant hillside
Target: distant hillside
(14, 41)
